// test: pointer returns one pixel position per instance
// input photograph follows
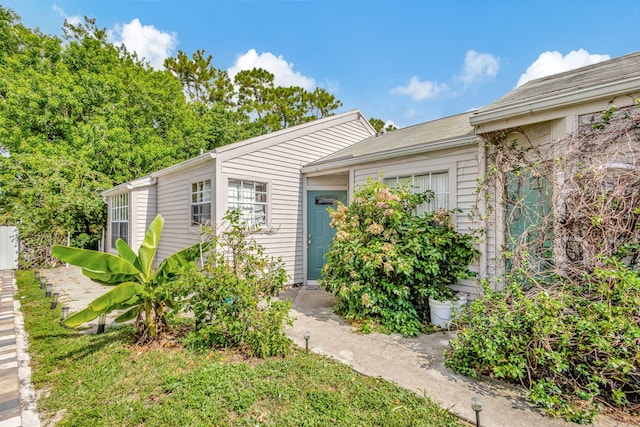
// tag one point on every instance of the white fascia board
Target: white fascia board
(416, 149)
(577, 97)
(203, 158)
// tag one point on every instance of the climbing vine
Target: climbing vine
(567, 324)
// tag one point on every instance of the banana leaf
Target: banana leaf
(129, 314)
(149, 246)
(171, 265)
(81, 317)
(109, 278)
(127, 253)
(98, 262)
(116, 296)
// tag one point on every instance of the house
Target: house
(449, 156)
(260, 177)
(441, 155)
(284, 181)
(541, 116)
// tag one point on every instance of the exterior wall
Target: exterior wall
(172, 196)
(541, 131)
(144, 201)
(279, 166)
(464, 169)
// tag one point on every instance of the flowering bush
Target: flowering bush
(385, 261)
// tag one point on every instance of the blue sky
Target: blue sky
(402, 61)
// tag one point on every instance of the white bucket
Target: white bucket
(440, 311)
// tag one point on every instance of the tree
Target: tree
(138, 287)
(380, 125)
(76, 117)
(201, 81)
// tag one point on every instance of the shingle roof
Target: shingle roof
(397, 142)
(614, 70)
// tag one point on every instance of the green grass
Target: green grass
(102, 380)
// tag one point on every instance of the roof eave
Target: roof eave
(145, 181)
(383, 155)
(185, 165)
(580, 96)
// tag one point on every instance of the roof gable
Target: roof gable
(437, 134)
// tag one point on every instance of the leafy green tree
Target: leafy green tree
(138, 287)
(276, 107)
(379, 125)
(201, 80)
(79, 115)
(76, 117)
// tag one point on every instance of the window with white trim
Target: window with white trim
(436, 182)
(200, 209)
(119, 218)
(250, 199)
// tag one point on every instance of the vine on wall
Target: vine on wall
(567, 325)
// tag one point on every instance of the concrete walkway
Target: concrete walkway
(416, 364)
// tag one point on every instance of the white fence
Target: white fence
(9, 248)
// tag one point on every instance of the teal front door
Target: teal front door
(319, 232)
(527, 217)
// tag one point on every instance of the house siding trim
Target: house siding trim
(387, 155)
(565, 100)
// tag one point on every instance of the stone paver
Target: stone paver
(17, 399)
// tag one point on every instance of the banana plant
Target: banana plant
(136, 282)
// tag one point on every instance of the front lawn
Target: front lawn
(103, 380)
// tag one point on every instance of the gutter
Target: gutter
(425, 148)
(584, 95)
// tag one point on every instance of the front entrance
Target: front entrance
(528, 212)
(319, 232)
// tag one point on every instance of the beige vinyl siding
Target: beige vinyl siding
(173, 193)
(463, 174)
(279, 166)
(142, 212)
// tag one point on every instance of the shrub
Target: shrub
(232, 295)
(385, 261)
(574, 348)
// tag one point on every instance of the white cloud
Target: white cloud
(553, 62)
(478, 65)
(419, 90)
(73, 20)
(282, 70)
(147, 41)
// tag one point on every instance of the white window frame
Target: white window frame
(432, 205)
(203, 197)
(251, 208)
(119, 218)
